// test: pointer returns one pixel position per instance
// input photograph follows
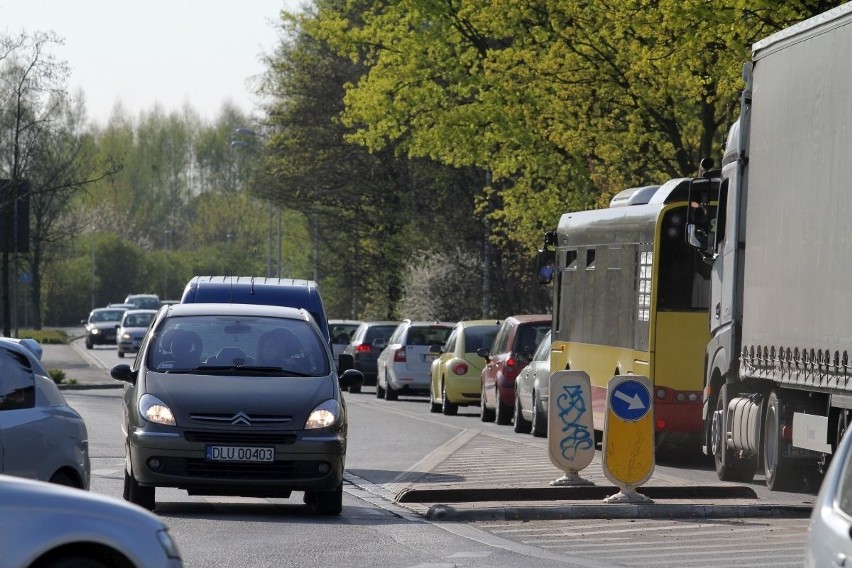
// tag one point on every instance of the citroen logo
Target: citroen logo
(241, 418)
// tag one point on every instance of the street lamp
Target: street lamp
(243, 131)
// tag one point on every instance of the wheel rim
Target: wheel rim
(770, 450)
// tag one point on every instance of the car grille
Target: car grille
(242, 418)
(247, 438)
(203, 469)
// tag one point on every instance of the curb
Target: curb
(578, 493)
(442, 512)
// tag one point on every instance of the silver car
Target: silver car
(235, 399)
(41, 437)
(532, 392)
(830, 529)
(403, 365)
(45, 525)
(133, 326)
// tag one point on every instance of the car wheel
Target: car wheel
(434, 407)
(485, 414)
(89, 343)
(73, 561)
(390, 392)
(121, 354)
(447, 407)
(64, 479)
(522, 425)
(504, 412)
(380, 392)
(138, 495)
(539, 418)
(355, 389)
(329, 502)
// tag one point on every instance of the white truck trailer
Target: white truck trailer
(778, 388)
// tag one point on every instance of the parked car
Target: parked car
(41, 437)
(289, 292)
(235, 399)
(829, 540)
(532, 392)
(341, 331)
(133, 326)
(47, 526)
(102, 326)
(512, 349)
(365, 346)
(455, 371)
(143, 301)
(403, 365)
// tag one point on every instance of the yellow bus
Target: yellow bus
(630, 296)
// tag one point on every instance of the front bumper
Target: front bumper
(302, 462)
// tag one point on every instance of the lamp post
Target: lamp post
(243, 131)
(94, 235)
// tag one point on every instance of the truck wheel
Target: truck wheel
(781, 473)
(539, 418)
(522, 425)
(730, 466)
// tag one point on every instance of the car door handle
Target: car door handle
(718, 310)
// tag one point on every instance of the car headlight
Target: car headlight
(155, 410)
(168, 544)
(95, 331)
(125, 336)
(324, 415)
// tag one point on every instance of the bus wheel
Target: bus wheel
(730, 466)
(781, 473)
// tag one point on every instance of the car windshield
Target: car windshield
(428, 335)
(238, 345)
(137, 320)
(107, 315)
(478, 337)
(342, 332)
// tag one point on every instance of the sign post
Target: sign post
(570, 431)
(628, 443)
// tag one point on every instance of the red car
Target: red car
(511, 351)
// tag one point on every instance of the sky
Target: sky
(145, 52)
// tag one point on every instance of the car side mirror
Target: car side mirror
(436, 349)
(483, 352)
(123, 373)
(351, 378)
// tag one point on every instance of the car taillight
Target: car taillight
(460, 368)
(399, 355)
(363, 348)
(511, 362)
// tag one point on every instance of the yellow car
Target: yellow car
(455, 371)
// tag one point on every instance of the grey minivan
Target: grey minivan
(235, 399)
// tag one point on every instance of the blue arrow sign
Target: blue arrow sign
(630, 400)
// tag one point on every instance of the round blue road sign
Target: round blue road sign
(630, 400)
